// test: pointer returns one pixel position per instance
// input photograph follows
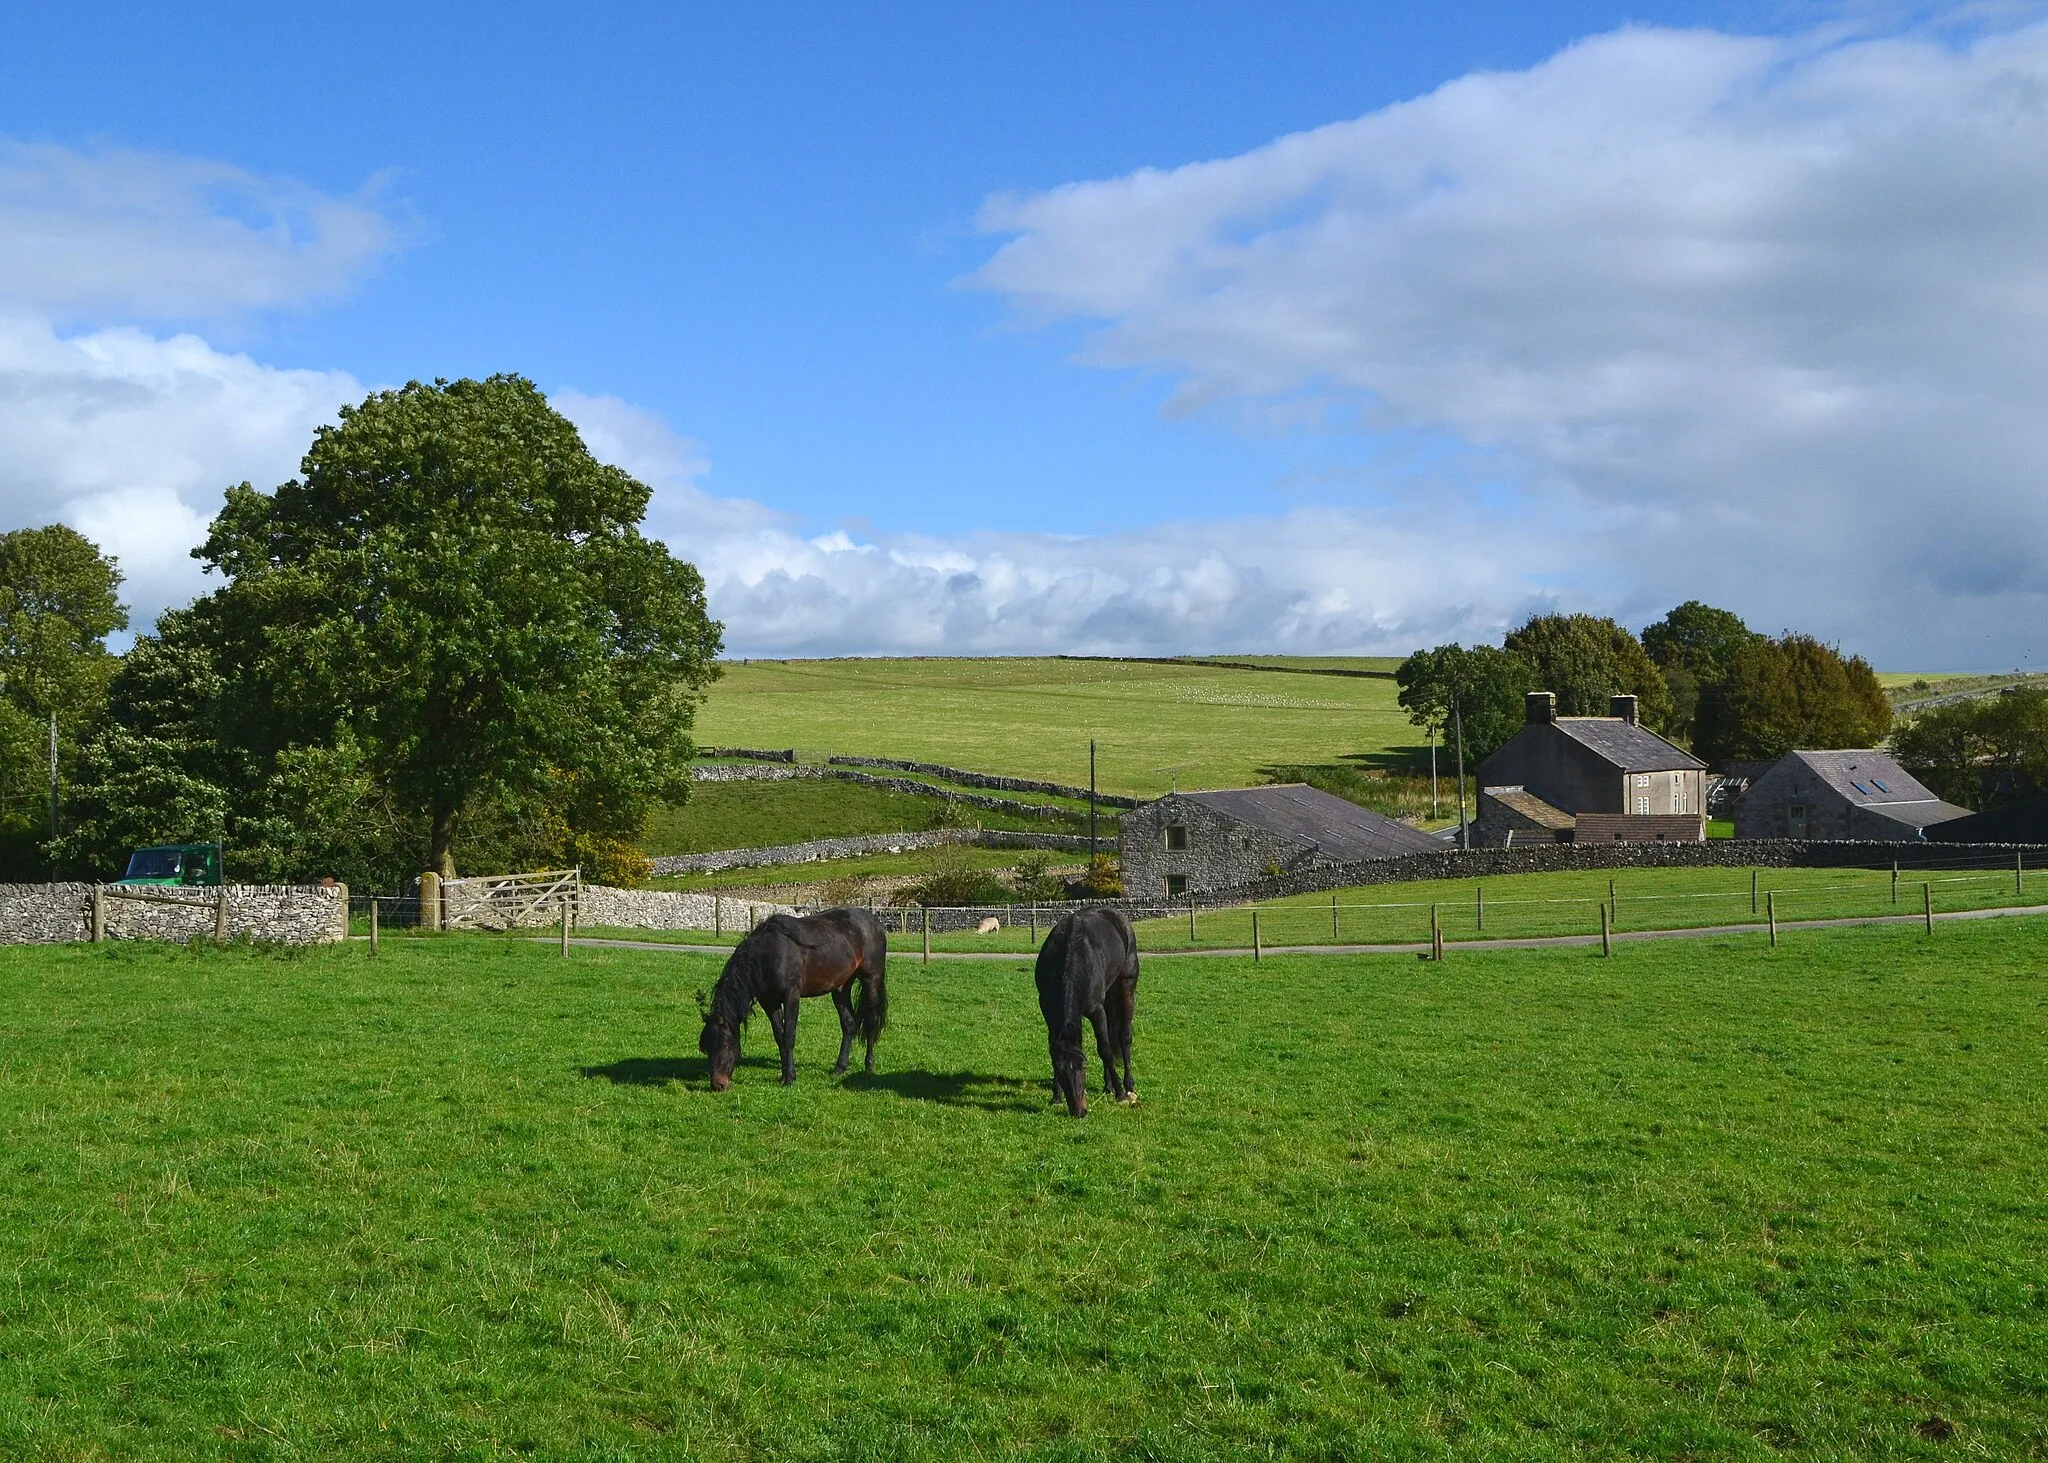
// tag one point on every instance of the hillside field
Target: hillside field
(473, 1200)
(1155, 725)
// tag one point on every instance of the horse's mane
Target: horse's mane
(732, 999)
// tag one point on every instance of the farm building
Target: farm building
(2025, 822)
(1589, 779)
(1860, 793)
(1199, 842)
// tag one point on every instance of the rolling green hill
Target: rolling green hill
(1156, 725)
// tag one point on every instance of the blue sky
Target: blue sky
(814, 273)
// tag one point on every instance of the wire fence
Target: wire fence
(1449, 913)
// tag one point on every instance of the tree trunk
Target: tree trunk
(441, 853)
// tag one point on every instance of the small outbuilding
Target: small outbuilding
(1859, 793)
(2025, 822)
(1589, 779)
(1199, 842)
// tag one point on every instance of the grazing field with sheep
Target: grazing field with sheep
(471, 1199)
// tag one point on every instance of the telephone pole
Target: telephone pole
(1091, 800)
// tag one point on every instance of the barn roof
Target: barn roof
(1542, 814)
(1629, 747)
(1872, 780)
(1341, 830)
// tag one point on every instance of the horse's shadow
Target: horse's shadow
(954, 1089)
(951, 1089)
(652, 1071)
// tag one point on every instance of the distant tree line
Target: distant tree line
(445, 643)
(1700, 676)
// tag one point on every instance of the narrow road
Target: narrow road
(1419, 947)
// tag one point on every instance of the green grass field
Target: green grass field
(472, 1201)
(1156, 725)
(721, 815)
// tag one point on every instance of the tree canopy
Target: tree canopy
(1586, 659)
(1790, 694)
(1694, 646)
(1485, 685)
(1981, 752)
(59, 600)
(448, 631)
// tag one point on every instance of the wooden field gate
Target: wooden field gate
(509, 901)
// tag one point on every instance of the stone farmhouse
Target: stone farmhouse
(1589, 779)
(1852, 794)
(1200, 842)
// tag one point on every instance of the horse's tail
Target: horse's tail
(871, 1013)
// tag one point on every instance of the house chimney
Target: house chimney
(1540, 706)
(1623, 707)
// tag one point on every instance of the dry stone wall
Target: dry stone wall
(662, 909)
(855, 845)
(987, 779)
(292, 914)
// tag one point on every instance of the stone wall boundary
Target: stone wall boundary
(988, 779)
(289, 914)
(752, 754)
(857, 844)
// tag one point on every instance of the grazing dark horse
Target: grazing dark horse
(1088, 971)
(782, 960)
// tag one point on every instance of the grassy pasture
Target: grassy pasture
(472, 1201)
(722, 815)
(1033, 717)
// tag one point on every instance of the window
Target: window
(1860, 788)
(1642, 779)
(1878, 783)
(1677, 795)
(1176, 837)
(1176, 885)
(1643, 804)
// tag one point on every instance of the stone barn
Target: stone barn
(1200, 842)
(1589, 779)
(1861, 793)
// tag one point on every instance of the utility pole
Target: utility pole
(1464, 830)
(1091, 800)
(53, 775)
(1433, 813)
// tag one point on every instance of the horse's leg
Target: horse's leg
(1123, 1011)
(843, 1002)
(785, 1038)
(1110, 1082)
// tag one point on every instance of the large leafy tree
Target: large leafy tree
(1695, 647)
(1586, 659)
(458, 592)
(1483, 686)
(1981, 752)
(1791, 694)
(59, 600)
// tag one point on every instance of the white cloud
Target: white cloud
(130, 234)
(1762, 319)
(132, 439)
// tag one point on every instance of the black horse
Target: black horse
(782, 960)
(1088, 970)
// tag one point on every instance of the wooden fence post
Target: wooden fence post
(1333, 919)
(430, 900)
(1752, 891)
(1613, 905)
(99, 915)
(1895, 881)
(717, 917)
(1606, 934)
(220, 915)
(1771, 899)
(373, 925)
(1034, 924)
(1191, 919)
(1436, 936)
(927, 922)
(1479, 906)
(2019, 874)
(1927, 904)
(1255, 937)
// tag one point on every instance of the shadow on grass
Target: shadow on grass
(651, 1071)
(957, 1089)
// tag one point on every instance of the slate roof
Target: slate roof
(1856, 776)
(1341, 830)
(1629, 747)
(1542, 814)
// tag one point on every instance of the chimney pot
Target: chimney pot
(1623, 707)
(1540, 706)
